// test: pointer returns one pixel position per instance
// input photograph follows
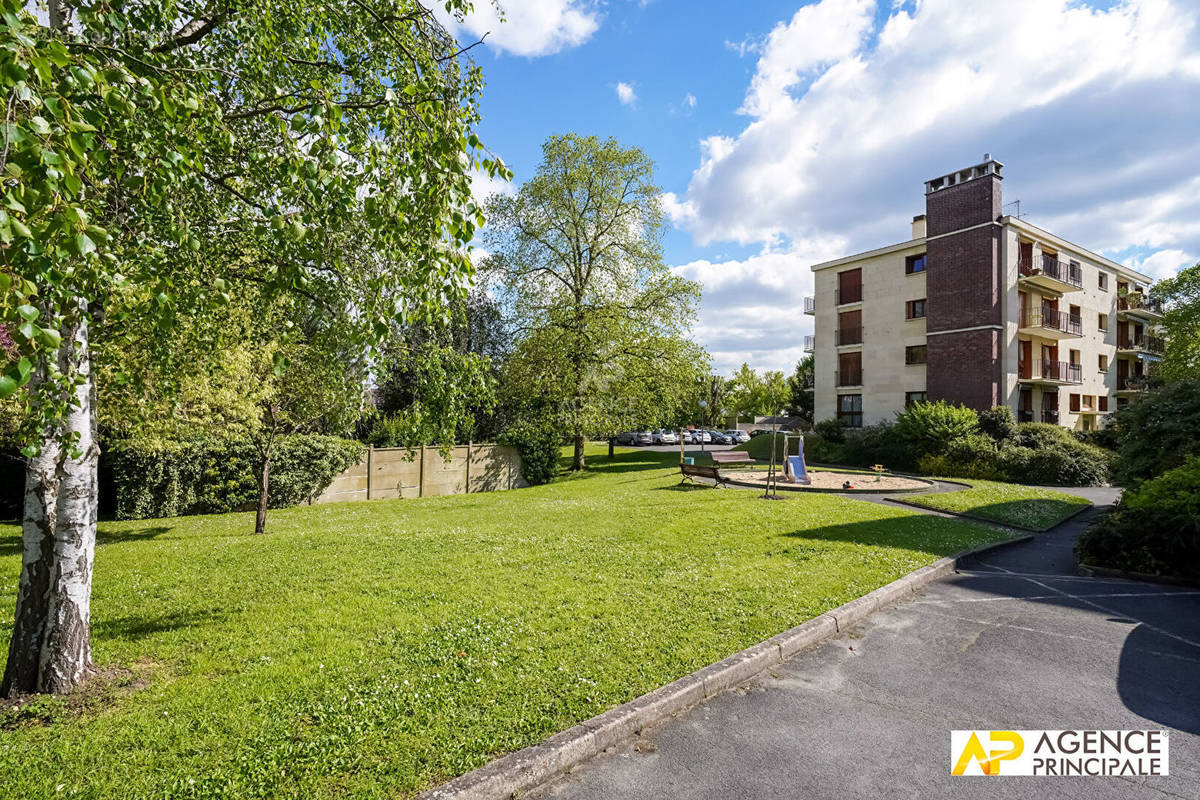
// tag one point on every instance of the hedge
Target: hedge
(156, 478)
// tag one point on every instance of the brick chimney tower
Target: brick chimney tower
(964, 322)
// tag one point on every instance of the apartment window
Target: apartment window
(849, 410)
(913, 397)
(914, 264)
(1103, 403)
(1074, 403)
(1104, 363)
(849, 288)
(1089, 402)
(1103, 278)
(914, 354)
(1102, 322)
(1075, 357)
(914, 309)
(850, 369)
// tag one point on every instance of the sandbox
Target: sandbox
(832, 481)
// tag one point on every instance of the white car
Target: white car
(740, 436)
(665, 437)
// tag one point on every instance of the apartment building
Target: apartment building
(983, 309)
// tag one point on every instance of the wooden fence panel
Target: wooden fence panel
(389, 473)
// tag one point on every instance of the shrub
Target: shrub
(831, 430)
(156, 478)
(1076, 464)
(1155, 529)
(1043, 434)
(1108, 438)
(877, 444)
(1158, 431)
(819, 450)
(540, 445)
(928, 427)
(998, 423)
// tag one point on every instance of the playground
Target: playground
(829, 481)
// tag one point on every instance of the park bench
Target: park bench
(732, 457)
(701, 471)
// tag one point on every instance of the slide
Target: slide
(796, 471)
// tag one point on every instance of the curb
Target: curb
(1090, 571)
(976, 518)
(516, 773)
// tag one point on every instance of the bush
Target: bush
(831, 430)
(998, 423)
(156, 478)
(1158, 432)
(928, 428)
(1155, 529)
(540, 445)
(877, 444)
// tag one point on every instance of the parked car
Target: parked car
(703, 437)
(663, 436)
(719, 437)
(758, 432)
(624, 438)
(738, 436)
(643, 437)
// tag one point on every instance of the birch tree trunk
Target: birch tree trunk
(50, 649)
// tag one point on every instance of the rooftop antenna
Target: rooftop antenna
(1016, 203)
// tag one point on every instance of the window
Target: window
(1075, 357)
(849, 410)
(1102, 322)
(914, 264)
(1074, 404)
(914, 354)
(914, 309)
(1104, 363)
(1089, 402)
(913, 397)
(849, 369)
(849, 288)
(1103, 280)
(1103, 403)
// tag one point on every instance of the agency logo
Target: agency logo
(1059, 753)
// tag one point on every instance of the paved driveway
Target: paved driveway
(1013, 641)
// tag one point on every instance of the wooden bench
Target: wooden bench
(732, 457)
(701, 471)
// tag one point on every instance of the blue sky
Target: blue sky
(786, 133)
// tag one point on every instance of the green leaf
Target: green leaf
(27, 311)
(40, 126)
(84, 244)
(49, 337)
(7, 385)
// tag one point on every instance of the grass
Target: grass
(1023, 506)
(370, 650)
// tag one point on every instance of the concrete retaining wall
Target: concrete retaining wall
(398, 472)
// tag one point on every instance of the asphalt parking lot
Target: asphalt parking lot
(1014, 640)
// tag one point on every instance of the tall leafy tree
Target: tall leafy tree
(800, 388)
(1181, 292)
(576, 258)
(743, 391)
(164, 160)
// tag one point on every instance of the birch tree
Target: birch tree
(163, 159)
(576, 257)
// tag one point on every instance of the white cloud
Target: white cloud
(484, 186)
(1094, 111)
(689, 100)
(626, 94)
(529, 27)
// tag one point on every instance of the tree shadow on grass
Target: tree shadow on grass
(1039, 514)
(11, 545)
(138, 626)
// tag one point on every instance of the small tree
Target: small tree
(929, 427)
(1181, 321)
(800, 387)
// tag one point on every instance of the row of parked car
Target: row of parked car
(697, 436)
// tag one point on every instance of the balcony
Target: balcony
(1049, 372)
(1140, 306)
(1132, 384)
(1151, 345)
(810, 305)
(1049, 273)
(847, 336)
(809, 342)
(1024, 415)
(1050, 416)
(1050, 323)
(848, 377)
(844, 297)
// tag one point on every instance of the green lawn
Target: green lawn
(1024, 506)
(373, 649)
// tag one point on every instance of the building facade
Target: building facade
(983, 309)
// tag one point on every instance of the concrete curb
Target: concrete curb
(516, 773)
(976, 518)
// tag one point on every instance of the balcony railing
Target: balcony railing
(1049, 416)
(1053, 320)
(848, 377)
(1061, 371)
(810, 342)
(1024, 415)
(1051, 267)
(1133, 383)
(810, 304)
(1150, 344)
(843, 336)
(1135, 302)
(852, 294)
